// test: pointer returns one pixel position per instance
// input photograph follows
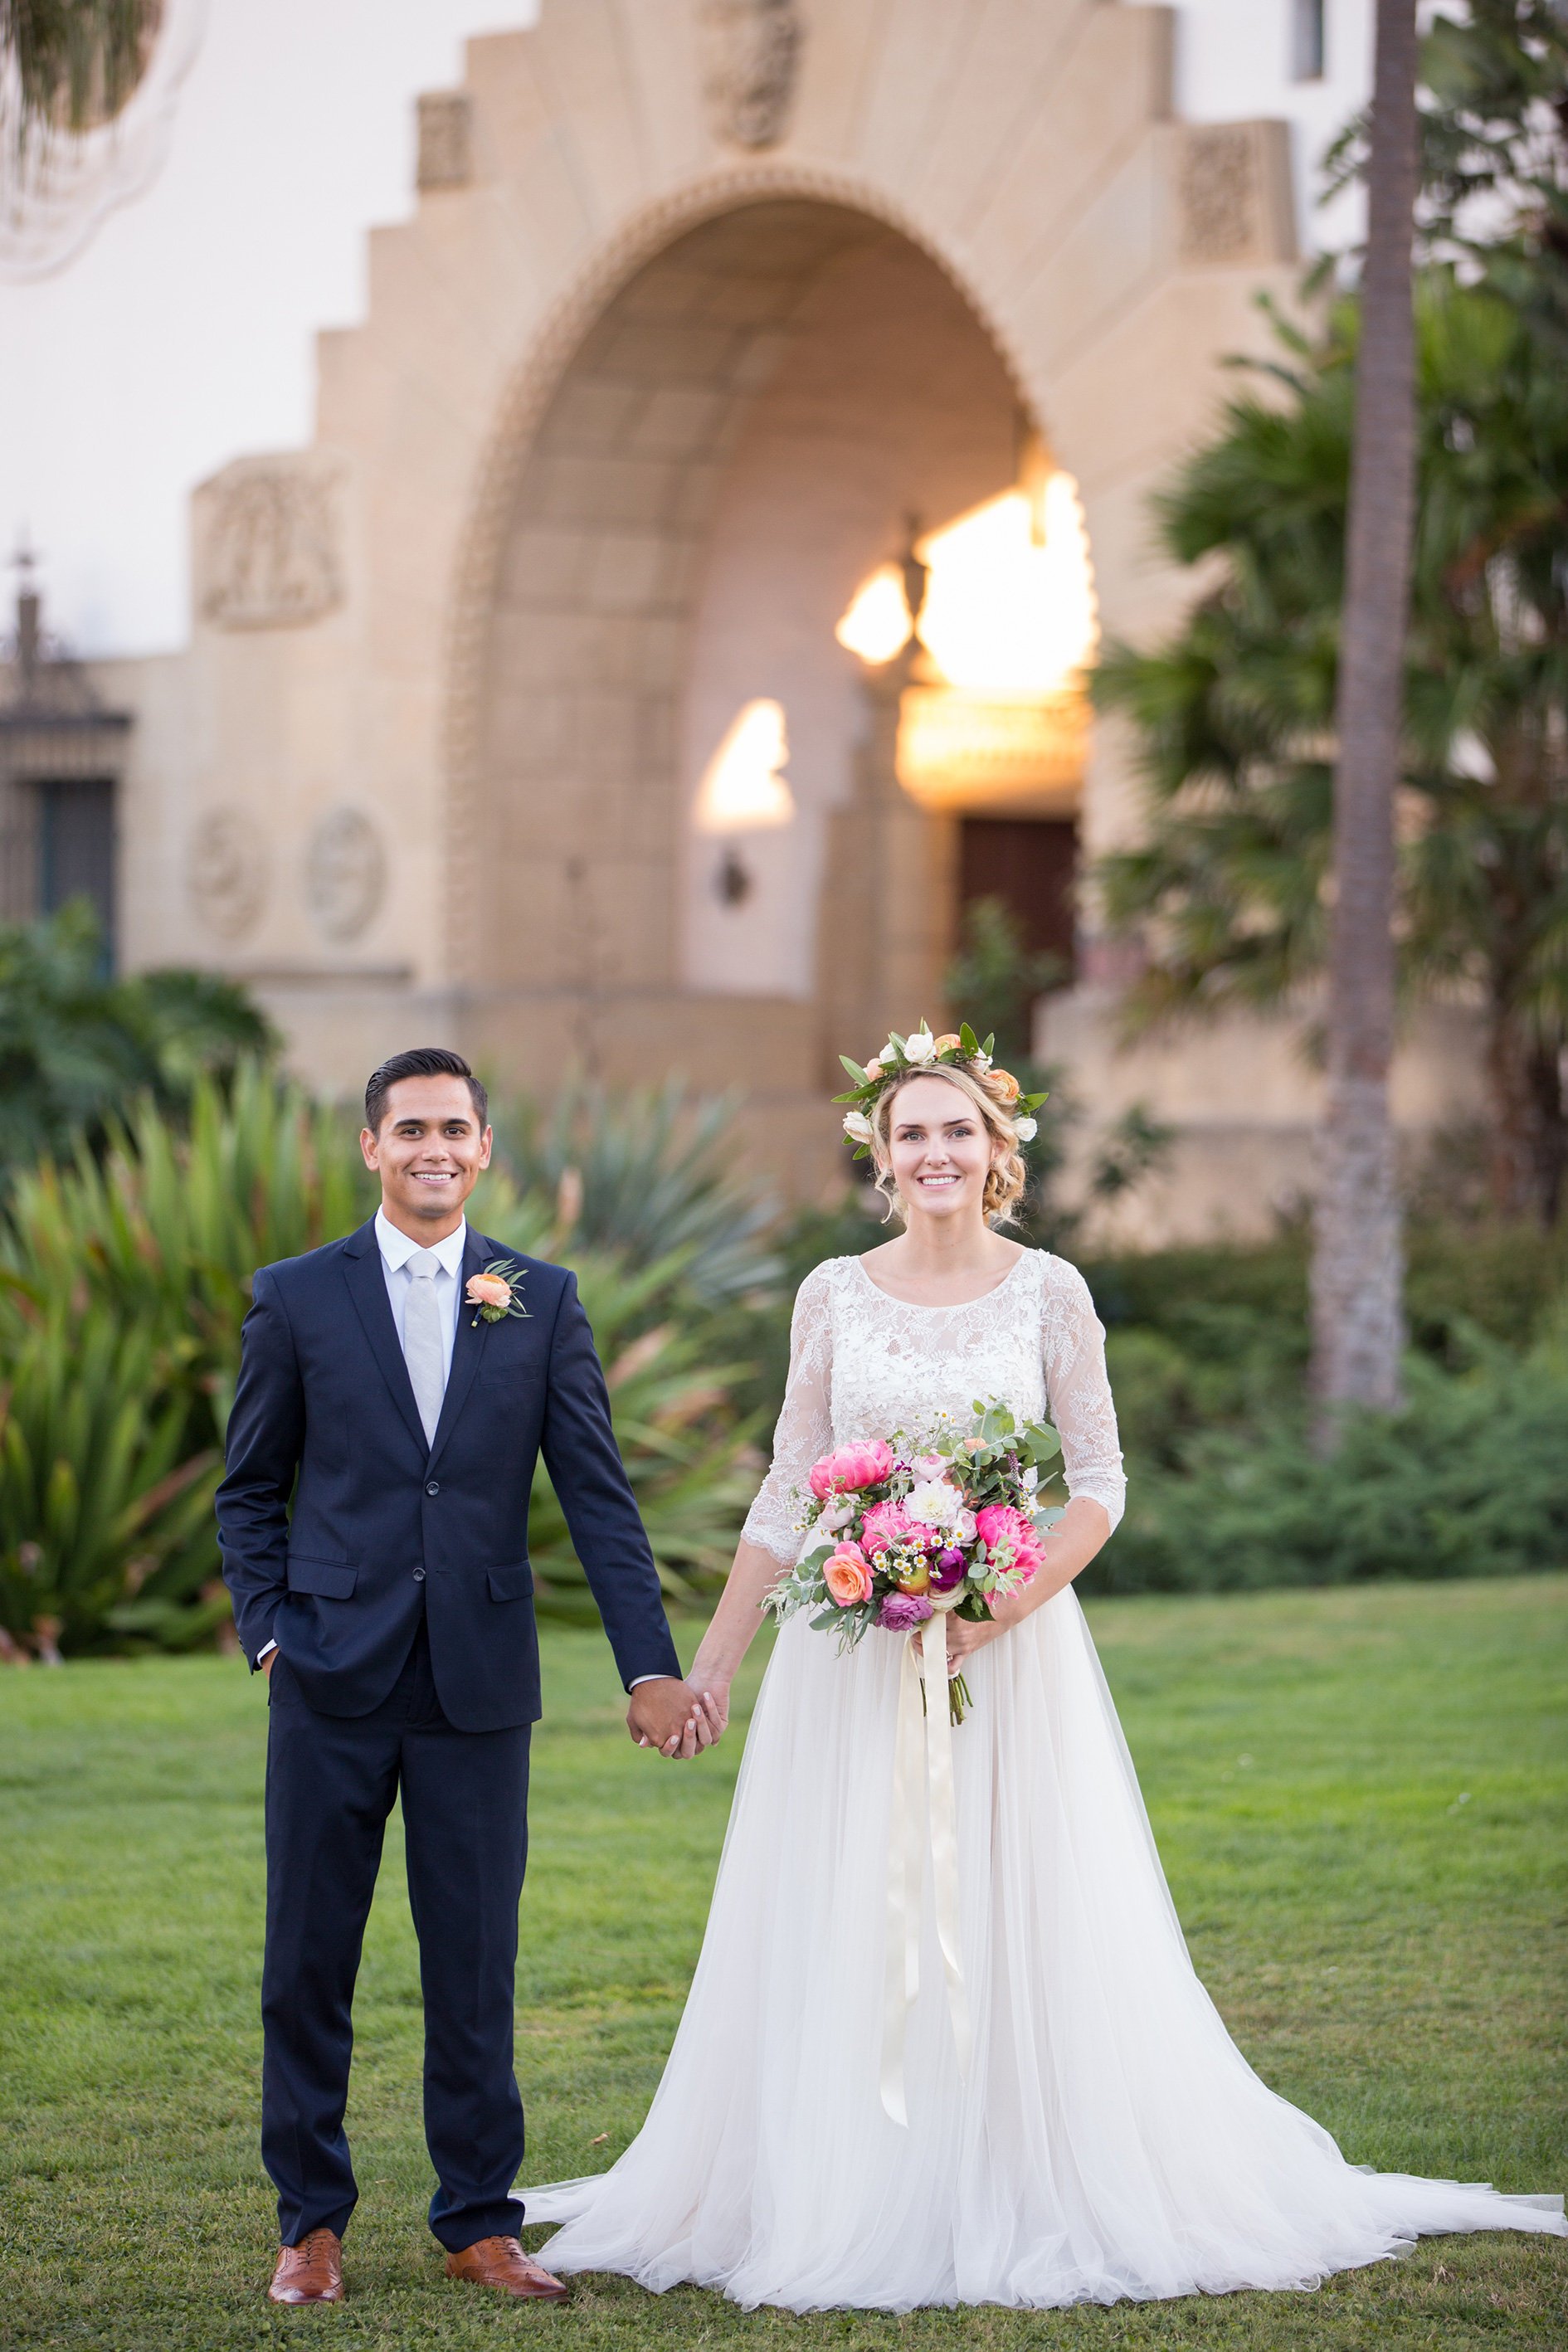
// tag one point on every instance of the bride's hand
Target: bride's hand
(967, 1634)
(711, 1699)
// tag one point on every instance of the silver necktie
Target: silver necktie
(422, 1350)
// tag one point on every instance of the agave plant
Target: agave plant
(686, 1449)
(124, 1282)
(645, 1171)
(99, 1499)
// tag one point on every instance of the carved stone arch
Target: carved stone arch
(512, 444)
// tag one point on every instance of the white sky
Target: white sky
(182, 336)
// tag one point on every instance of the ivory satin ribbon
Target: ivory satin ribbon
(906, 1857)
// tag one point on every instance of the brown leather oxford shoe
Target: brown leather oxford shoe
(311, 2272)
(502, 2262)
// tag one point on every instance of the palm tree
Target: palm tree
(1357, 1264)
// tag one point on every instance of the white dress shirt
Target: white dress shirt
(396, 1249)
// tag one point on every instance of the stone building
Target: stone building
(521, 709)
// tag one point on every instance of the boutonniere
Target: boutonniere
(493, 1292)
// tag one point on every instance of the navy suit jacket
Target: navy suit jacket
(384, 1525)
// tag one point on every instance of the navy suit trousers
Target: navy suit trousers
(330, 1783)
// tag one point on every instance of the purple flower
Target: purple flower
(948, 1570)
(901, 1612)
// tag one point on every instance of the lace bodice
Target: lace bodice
(863, 1364)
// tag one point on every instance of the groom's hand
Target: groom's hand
(665, 1714)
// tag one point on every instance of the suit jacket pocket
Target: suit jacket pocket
(333, 1580)
(512, 1583)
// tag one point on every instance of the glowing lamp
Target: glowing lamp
(743, 788)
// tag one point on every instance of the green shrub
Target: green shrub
(1468, 1481)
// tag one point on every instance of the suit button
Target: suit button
(433, 1486)
(420, 1576)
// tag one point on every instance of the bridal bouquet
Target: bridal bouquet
(905, 1531)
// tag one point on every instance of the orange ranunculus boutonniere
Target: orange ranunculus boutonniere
(493, 1292)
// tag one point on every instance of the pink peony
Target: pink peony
(1011, 1540)
(866, 1463)
(847, 1575)
(900, 1612)
(886, 1523)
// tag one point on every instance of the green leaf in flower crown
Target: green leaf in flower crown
(989, 1044)
(967, 1038)
(853, 1096)
(894, 1039)
(1032, 1102)
(856, 1072)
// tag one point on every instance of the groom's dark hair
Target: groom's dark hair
(420, 1061)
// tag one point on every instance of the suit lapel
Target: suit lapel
(466, 1345)
(366, 1279)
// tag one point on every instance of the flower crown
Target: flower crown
(903, 1057)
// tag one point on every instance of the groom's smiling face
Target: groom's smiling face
(429, 1151)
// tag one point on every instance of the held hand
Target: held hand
(667, 1714)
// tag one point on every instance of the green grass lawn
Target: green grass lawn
(1358, 1795)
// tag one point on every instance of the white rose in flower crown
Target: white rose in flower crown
(934, 1503)
(1026, 1129)
(858, 1125)
(921, 1047)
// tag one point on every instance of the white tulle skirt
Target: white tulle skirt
(1110, 2141)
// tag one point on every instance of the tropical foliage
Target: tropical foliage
(125, 1279)
(75, 61)
(1235, 711)
(647, 1171)
(76, 1045)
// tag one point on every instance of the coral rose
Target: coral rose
(1011, 1540)
(1004, 1082)
(488, 1290)
(847, 1575)
(849, 1467)
(873, 1069)
(947, 1041)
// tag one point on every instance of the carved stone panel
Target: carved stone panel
(446, 139)
(751, 55)
(345, 874)
(1235, 203)
(226, 872)
(269, 552)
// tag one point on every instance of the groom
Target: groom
(373, 1523)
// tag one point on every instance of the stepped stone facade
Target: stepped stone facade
(700, 301)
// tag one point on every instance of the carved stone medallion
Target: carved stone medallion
(345, 872)
(269, 552)
(752, 51)
(226, 872)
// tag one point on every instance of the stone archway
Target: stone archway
(731, 444)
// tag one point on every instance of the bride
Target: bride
(1080, 2125)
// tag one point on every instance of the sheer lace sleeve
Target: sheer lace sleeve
(805, 1429)
(1078, 1392)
